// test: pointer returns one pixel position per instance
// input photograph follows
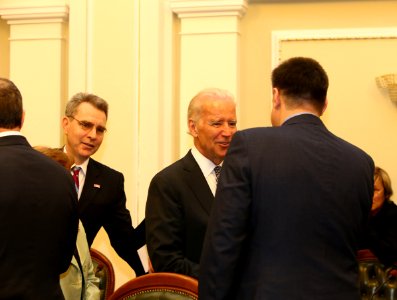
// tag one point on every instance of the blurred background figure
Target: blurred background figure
(381, 235)
(79, 281)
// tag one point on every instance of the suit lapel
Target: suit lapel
(91, 180)
(198, 184)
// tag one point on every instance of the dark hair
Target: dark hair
(11, 109)
(301, 79)
(76, 100)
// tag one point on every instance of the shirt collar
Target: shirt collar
(83, 166)
(298, 114)
(204, 163)
(8, 133)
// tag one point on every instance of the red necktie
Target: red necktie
(76, 171)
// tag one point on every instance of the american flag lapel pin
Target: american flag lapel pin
(96, 185)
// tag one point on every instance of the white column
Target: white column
(209, 51)
(38, 67)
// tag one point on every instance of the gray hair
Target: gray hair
(195, 105)
(76, 100)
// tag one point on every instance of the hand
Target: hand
(151, 270)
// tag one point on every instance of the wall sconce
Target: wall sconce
(388, 82)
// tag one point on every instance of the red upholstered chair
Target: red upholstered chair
(103, 269)
(161, 285)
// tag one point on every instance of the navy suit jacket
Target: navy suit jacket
(289, 210)
(38, 222)
(177, 210)
(103, 203)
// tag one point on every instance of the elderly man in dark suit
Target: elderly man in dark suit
(102, 200)
(38, 210)
(180, 196)
(291, 202)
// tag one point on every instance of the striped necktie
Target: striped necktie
(217, 171)
(75, 173)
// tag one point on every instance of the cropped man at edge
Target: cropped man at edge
(291, 202)
(181, 195)
(38, 210)
(102, 200)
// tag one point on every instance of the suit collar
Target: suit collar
(93, 167)
(91, 184)
(14, 140)
(206, 166)
(303, 118)
(196, 181)
(84, 166)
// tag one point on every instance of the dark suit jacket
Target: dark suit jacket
(38, 222)
(381, 234)
(177, 209)
(289, 209)
(103, 203)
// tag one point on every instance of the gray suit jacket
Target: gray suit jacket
(177, 210)
(290, 207)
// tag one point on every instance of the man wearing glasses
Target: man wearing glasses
(102, 200)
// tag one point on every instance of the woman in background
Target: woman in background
(72, 280)
(382, 228)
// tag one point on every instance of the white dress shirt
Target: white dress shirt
(207, 167)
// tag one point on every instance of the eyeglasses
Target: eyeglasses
(88, 126)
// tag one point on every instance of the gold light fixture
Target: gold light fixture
(388, 82)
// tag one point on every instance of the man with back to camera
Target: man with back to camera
(291, 202)
(102, 200)
(38, 210)
(180, 196)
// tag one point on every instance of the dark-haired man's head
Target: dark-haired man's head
(11, 109)
(299, 84)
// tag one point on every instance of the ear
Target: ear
(65, 123)
(324, 107)
(22, 118)
(192, 128)
(276, 98)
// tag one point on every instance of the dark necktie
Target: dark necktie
(217, 171)
(76, 171)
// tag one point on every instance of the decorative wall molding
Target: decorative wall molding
(38, 14)
(208, 8)
(327, 34)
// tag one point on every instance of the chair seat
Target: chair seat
(160, 286)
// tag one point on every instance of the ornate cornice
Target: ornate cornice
(208, 8)
(38, 14)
